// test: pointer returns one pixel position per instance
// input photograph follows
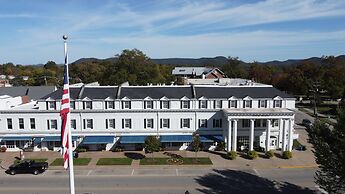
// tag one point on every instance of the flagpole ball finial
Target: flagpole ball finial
(64, 37)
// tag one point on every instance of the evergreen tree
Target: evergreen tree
(152, 144)
(329, 151)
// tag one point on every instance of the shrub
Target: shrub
(3, 149)
(118, 149)
(287, 154)
(231, 155)
(80, 150)
(252, 154)
(269, 154)
(220, 146)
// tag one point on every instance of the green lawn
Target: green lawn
(34, 159)
(114, 161)
(185, 161)
(76, 162)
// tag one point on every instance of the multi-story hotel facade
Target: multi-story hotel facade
(103, 117)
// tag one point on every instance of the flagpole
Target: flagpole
(68, 129)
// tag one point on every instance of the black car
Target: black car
(28, 166)
(307, 123)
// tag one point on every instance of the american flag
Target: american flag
(65, 114)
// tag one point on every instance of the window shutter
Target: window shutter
(47, 107)
(123, 123)
(161, 104)
(106, 105)
(206, 124)
(220, 123)
(168, 104)
(130, 123)
(130, 105)
(181, 104)
(145, 123)
(106, 123)
(274, 103)
(214, 123)
(168, 123)
(153, 124)
(91, 123)
(259, 106)
(48, 124)
(199, 123)
(161, 124)
(145, 104)
(84, 123)
(199, 103)
(188, 104)
(181, 124)
(121, 104)
(188, 123)
(251, 104)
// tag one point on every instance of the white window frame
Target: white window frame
(51, 105)
(185, 104)
(185, 123)
(148, 104)
(9, 123)
(127, 123)
(110, 104)
(32, 123)
(232, 103)
(203, 104)
(88, 123)
(165, 123)
(247, 103)
(202, 123)
(86, 104)
(126, 104)
(52, 124)
(21, 123)
(165, 104)
(276, 103)
(110, 123)
(262, 102)
(218, 104)
(148, 123)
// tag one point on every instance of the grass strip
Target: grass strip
(185, 161)
(114, 161)
(76, 162)
(34, 159)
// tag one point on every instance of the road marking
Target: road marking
(256, 172)
(132, 172)
(176, 172)
(89, 173)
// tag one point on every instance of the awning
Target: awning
(98, 139)
(38, 140)
(57, 138)
(176, 138)
(211, 138)
(17, 138)
(132, 139)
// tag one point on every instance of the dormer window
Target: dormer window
(277, 103)
(247, 104)
(217, 104)
(148, 104)
(126, 104)
(165, 104)
(185, 104)
(51, 105)
(203, 104)
(262, 103)
(109, 104)
(87, 105)
(232, 104)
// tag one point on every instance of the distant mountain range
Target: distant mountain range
(211, 61)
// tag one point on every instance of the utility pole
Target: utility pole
(316, 85)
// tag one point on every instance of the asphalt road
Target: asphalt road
(163, 181)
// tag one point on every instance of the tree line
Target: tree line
(137, 68)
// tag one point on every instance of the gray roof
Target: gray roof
(34, 92)
(171, 92)
(191, 70)
(239, 92)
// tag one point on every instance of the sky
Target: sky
(31, 31)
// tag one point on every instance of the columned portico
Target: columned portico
(251, 135)
(290, 142)
(280, 137)
(268, 135)
(228, 134)
(284, 136)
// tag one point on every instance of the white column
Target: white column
(228, 135)
(284, 136)
(280, 133)
(251, 135)
(234, 136)
(268, 133)
(290, 141)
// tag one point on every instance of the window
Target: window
(185, 123)
(87, 105)
(148, 104)
(165, 123)
(202, 103)
(148, 123)
(257, 123)
(245, 123)
(165, 104)
(73, 124)
(184, 104)
(88, 124)
(9, 124)
(217, 123)
(109, 104)
(262, 103)
(277, 103)
(203, 123)
(110, 123)
(21, 123)
(232, 104)
(247, 103)
(72, 104)
(52, 124)
(244, 140)
(126, 104)
(264, 123)
(32, 123)
(217, 104)
(51, 105)
(127, 123)
(275, 123)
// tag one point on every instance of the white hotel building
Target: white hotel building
(103, 117)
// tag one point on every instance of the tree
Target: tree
(329, 144)
(196, 144)
(152, 144)
(234, 69)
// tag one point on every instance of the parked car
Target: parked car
(307, 123)
(28, 166)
